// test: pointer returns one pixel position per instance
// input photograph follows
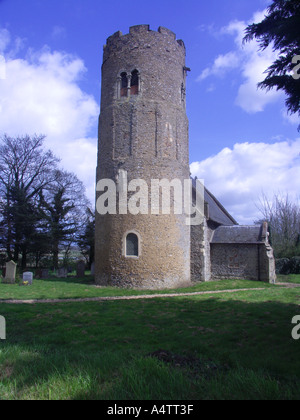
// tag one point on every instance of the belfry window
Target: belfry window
(124, 84)
(132, 245)
(129, 83)
(134, 84)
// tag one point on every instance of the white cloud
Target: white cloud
(238, 176)
(4, 39)
(252, 64)
(222, 64)
(41, 94)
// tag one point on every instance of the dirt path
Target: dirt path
(132, 297)
(102, 299)
(288, 285)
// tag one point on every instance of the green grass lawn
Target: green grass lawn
(226, 346)
(291, 278)
(73, 287)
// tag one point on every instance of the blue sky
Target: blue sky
(242, 142)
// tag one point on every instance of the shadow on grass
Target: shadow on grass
(241, 347)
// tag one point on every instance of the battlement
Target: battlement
(140, 31)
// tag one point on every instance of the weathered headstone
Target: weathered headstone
(62, 272)
(2, 328)
(10, 272)
(28, 277)
(80, 268)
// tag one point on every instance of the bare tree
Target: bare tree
(63, 205)
(86, 241)
(283, 217)
(25, 170)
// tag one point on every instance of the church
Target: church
(143, 139)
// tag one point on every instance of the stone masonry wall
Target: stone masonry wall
(200, 252)
(237, 261)
(145, 135)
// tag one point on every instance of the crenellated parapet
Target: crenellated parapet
(141, 33)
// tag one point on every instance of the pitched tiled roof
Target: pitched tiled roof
(237, 235)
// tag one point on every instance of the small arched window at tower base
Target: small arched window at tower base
(131, 245)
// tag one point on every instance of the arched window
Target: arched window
(134, 85)
(124, 84)
(132, 245)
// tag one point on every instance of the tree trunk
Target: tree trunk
(55, 256)
(24, 257)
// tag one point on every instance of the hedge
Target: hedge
(288, 265)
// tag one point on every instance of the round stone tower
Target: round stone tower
(143, 139)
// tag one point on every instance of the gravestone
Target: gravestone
(2, 328)
(10, 272)
(80, 268)
(28, 277)
(62, 272)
